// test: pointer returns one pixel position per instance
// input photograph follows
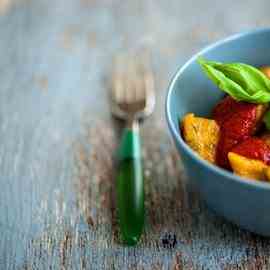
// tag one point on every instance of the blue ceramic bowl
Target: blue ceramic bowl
(244, 202)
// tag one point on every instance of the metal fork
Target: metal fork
(132, 99)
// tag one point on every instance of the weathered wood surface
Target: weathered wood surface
(57, 136)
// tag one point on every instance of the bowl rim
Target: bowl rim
(175, 131)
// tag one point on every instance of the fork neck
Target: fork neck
(132, 124)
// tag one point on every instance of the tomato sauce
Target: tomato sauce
(237, 123)
(254, 148)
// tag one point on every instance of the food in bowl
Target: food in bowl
(236, 137)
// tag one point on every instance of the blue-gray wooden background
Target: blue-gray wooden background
(57, 137)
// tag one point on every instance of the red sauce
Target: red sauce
(237, 123)
(254, 148)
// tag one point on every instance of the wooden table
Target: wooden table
(58, 138)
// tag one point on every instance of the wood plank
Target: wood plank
(57, 137)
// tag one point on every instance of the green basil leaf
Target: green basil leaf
(241, 81)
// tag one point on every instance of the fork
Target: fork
(132, 99)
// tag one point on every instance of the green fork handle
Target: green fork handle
(130, 187)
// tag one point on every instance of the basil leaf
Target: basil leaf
(266, 120)
(241, 81)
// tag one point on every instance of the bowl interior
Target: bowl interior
(192, 91)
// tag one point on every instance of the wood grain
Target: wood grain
(57, 137)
